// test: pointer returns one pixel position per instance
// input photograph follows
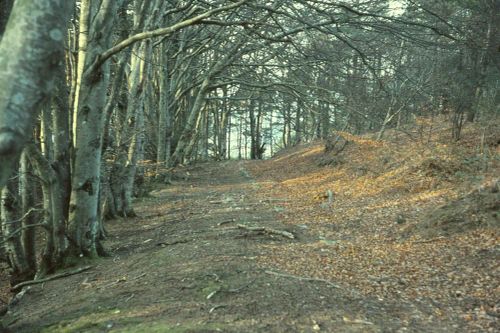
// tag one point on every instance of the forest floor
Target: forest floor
(400, 235)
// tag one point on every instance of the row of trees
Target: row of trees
(89, 91)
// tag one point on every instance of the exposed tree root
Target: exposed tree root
(50, 278)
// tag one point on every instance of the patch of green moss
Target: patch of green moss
(94, 322)
(116, 321)
(211, 288)
(72, 261)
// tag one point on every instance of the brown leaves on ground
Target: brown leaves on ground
(378, 233)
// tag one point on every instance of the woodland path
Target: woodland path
(183, 265)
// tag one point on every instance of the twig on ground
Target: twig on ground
(212, 294)
(267, 231)
(236, 290)
(17, 297)
(139, 276)
(440, 238)
(217, 278)
(122, 279)
(275, 199)
(225, 222)
(357, 321)
(178, 241)
(233, 290)
(217, 307)
(50, 278)
(302, 278)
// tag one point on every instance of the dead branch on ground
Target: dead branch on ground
(232, 290)
(267, 231)
(50, 278)
(178, 241)
(225, 222)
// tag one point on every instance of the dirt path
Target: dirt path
(183, 265)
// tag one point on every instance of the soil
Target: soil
(455, 217)
(189, 262)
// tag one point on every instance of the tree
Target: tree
(31, 49)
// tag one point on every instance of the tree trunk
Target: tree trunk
(240, 136)
(95, 33)
(62, 143)
(189, 130)
(325, 120)
(271, 134)
(11, 231)
(298, 124)
(30, 51)
(54, 211)
(253, 130)
(26, 190)
(224, 126)
(5, 8)
(164, 117)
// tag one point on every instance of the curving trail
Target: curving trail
(184, 265)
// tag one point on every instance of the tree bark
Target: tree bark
(26, 189)
(11, 231)
(5, 8)
(54, 214)
(96, 24)
(30, 50)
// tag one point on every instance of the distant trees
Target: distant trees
(178, 81)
